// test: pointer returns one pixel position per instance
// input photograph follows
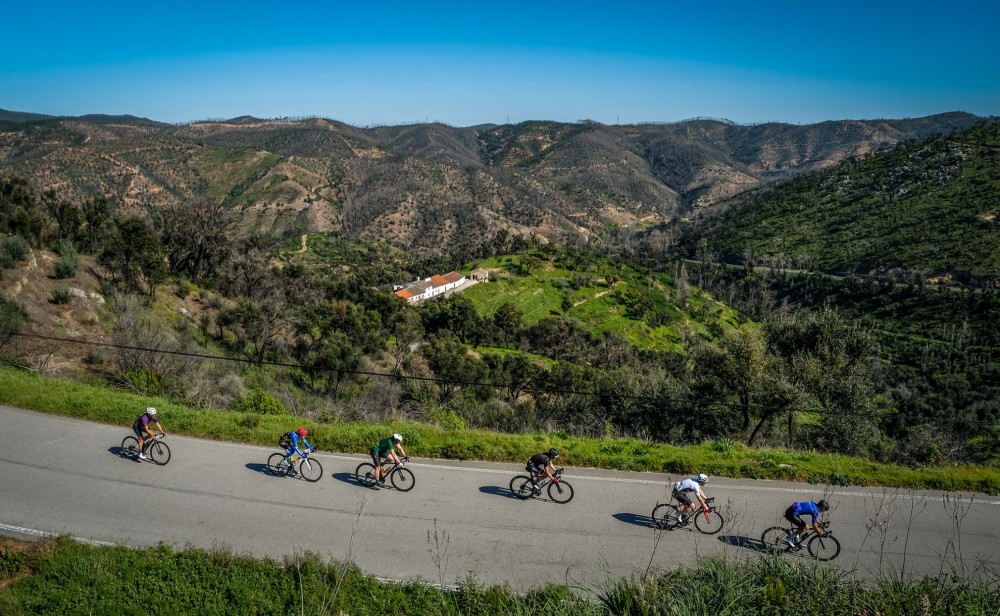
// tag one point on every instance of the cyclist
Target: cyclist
(794, 515)
(290, 441)
(141, 427)
(386, 450)
(542, 464)
(683, 488)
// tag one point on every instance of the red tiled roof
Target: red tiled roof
(438, 278)
(453, 276)
(404, 293)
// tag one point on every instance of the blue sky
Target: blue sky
(465, 63)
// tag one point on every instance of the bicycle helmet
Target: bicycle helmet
(702, 478)
(553, 453)
(303, 432)
(151, 411)
(397, 438)
(823, 505)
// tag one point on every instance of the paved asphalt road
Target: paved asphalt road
(67, 476)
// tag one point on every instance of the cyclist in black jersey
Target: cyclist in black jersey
(542, 464)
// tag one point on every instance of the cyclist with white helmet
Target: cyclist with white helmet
(542, 464)
(141, 428)
(386, 450)
(682, 489)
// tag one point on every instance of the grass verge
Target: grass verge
(61, 576)
(111, 406)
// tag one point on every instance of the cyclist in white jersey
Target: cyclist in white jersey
(682, 490)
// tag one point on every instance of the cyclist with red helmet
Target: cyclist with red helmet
(290, 441)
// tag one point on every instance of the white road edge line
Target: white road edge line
(803, 490)
(41, 533)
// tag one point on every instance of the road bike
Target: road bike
(522, 486)
(154, 448)
(402, 478)
(821, 547)
(706, 519)
(309, 467)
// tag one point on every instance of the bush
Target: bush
(68, 261)
(260, 402)
(61, 295)
(144, 381)
(15, 248)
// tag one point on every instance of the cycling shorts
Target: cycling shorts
(376, 459)
(794, 519)
(683, 498)
(139, 432)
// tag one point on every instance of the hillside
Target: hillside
(927, 209)
(430, 188)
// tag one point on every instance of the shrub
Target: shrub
(446, 418)
(260, 402)
(94, 358)
(61, 295)
(68, 261)
(65, 267)
(144, 381)
(16, 248)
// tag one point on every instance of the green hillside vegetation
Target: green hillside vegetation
(929, 209)
(259, 419)
(643, 307)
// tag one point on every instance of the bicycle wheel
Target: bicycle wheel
(158, 452)
(276, 466)
(310, 469)
(130, 447)
(365, 474)
(520, 486)
(710, 526)
(402, 479)
(560, 492)
(773, 539)
(666, 517)
(823, 548)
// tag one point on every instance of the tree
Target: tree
(508, 322)
(13, 317)
(196, 236)
(133, 252)
(97, 216)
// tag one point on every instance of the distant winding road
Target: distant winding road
(60, 475)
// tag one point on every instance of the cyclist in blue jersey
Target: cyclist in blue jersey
(794, 515)
(290, 441)
(141, 428)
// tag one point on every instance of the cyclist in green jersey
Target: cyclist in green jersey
(386, 450)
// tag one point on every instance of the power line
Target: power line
(545, 390)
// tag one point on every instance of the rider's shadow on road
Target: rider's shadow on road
(635, 518)
(739, 541)
(350, 478)
(497, 491)
(260, 468)
(118, 451)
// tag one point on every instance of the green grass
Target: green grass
(595, 301)
(60, 576)
(110, 406)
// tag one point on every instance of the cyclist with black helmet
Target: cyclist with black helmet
(682, 491)
(141, 428)
(794, 515)
(290, 441)
(542, 464)
(386, 450)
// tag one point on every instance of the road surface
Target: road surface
(60, 475)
